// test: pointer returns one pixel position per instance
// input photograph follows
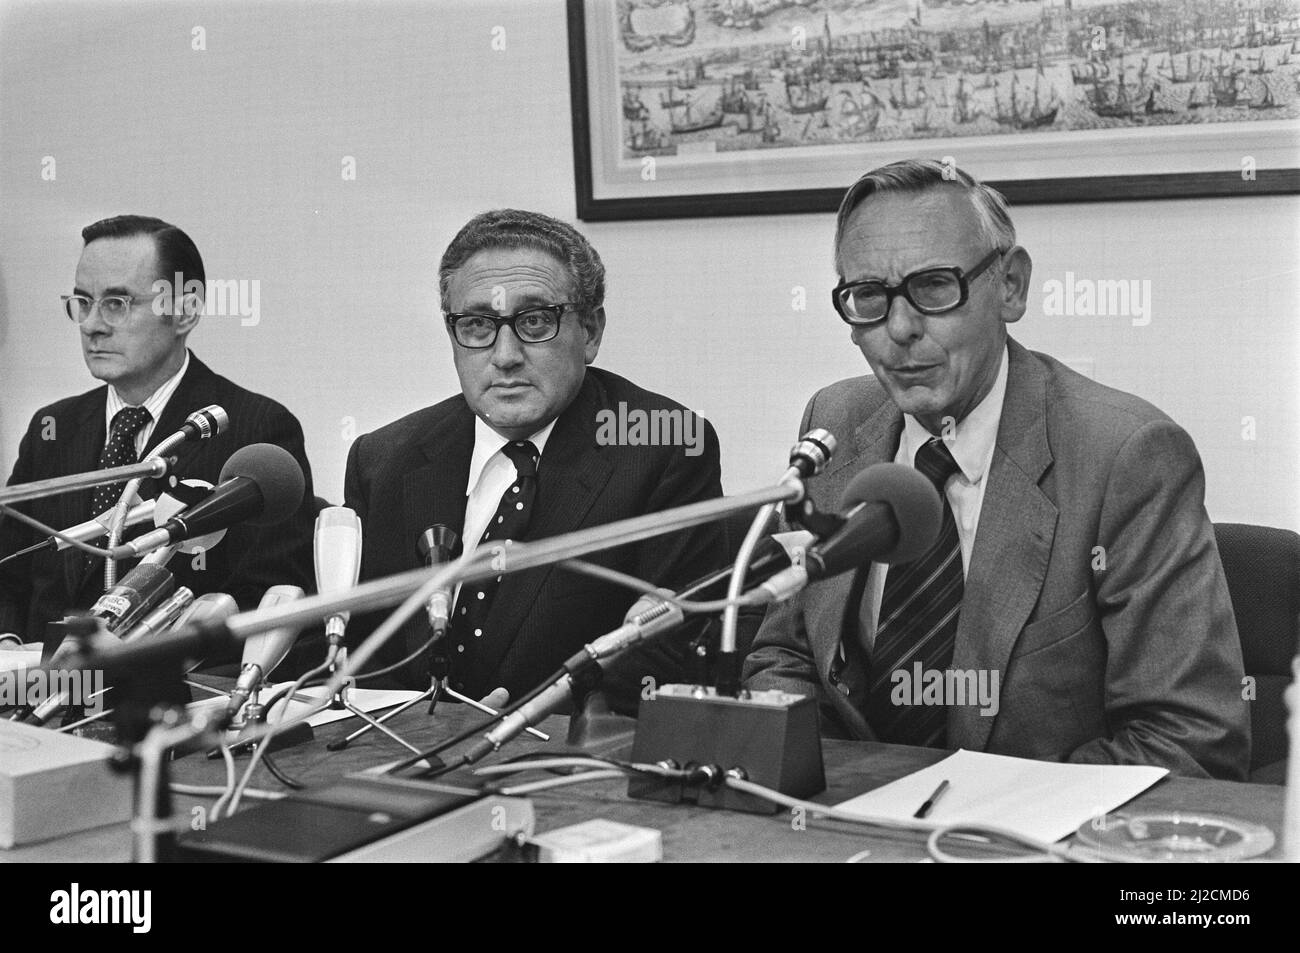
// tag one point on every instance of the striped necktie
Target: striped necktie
(919, 611)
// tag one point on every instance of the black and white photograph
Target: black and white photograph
(649, 431)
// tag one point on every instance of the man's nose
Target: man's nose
(903, 323)
(95, 325)
(508, 350)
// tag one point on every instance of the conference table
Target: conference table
(689, 833)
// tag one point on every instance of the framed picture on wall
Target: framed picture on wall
(729, 107)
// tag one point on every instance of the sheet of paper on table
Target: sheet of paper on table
(367, 699)
(1041, 799)
(15, 660)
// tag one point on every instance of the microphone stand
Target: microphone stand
(391, 590)
(153, 467)
(438, 671)
(340, 701)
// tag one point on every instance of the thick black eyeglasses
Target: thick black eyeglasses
(533, 325)
(929, 291)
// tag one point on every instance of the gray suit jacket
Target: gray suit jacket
(1094, 589)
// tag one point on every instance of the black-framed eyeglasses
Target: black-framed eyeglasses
(113, 309)
(929, 291)
(533, 325)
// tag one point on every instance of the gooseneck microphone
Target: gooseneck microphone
(260, 484)
(200, 425)
(438, 545)
(810, 455)
(892, 515)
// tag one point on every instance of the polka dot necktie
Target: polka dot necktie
(509, 523)
(118, 452)
(919, 611)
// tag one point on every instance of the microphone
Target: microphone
(337, 548)
(260, 484)
(200, 425)
(119, 609)
(437, 545)
(893, 516)
(810, 455)
(773, 553)
(135, 595)
(264, 651)
(658, 618)
(161, 618)
(175, 502)
(97, 527)
(209, 608)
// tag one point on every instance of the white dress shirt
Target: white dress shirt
(155, 403)
(491, 473)
(972, 444)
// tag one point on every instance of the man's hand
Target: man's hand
(496, 699)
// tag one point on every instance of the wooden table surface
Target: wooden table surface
(689, 833)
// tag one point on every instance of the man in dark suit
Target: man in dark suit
(133, 339)
(527, 451)
(1073, 607)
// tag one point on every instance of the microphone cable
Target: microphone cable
(48, 531)
(577, 565)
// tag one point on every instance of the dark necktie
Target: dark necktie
(919, 611)
(119, 451)
(509, 523)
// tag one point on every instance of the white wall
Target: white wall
(242, 146)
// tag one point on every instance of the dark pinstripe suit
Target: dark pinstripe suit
(413, 473)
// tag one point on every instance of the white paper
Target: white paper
(1039, 799)
(367, 699)
(15, 660)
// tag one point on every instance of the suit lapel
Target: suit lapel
(572, 475)
(826, 603)
(434, 491)
(1012, 542)
(81, 452)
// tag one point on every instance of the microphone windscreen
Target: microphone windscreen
(276, 474)
(336, 546)
(268, 649)
(209, 607)
(912, 499)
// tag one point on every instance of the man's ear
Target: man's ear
(593, 324)
(186, 316)
(1016, 271)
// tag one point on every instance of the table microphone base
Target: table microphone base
(771, 735)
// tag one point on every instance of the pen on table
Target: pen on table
(924, 809)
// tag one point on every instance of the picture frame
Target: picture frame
(685, 108)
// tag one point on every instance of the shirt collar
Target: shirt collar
(488, 443)
(155, 403)
(974, 437)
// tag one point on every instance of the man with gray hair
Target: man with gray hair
(1073, 606)
(535, 444)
